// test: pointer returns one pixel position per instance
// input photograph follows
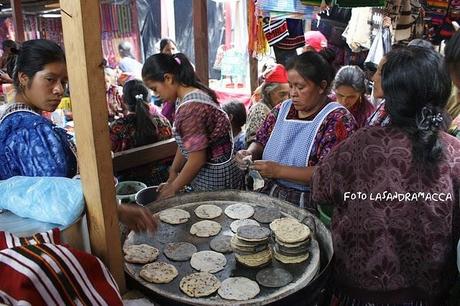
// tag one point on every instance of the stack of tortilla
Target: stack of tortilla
(292, 240)
(250, 245)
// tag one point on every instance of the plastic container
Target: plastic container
(325, 214)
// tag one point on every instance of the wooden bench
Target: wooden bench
(144, 155)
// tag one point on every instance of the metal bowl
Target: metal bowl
(127, 190)
(147, 195)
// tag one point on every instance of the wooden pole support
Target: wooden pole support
(18, 20)
(200, 32)
(82, 40)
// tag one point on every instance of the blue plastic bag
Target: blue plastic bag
(48, 199)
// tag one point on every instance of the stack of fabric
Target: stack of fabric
(250, 246)
(292, 240)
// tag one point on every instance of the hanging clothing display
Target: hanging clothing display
(285, 9)
(439, 16)
(404, 14)
(118, 24)
(358, 31)
(275, 31)
(295, 38)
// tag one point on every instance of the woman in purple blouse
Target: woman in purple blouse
(395, 189)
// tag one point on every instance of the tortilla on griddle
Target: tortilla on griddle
(199, 284)
(255, 260)
(238, 289)
(289, 230)
(273, 277)
(221, 244)
(266, 214)
(174, 216)
(140, 253)
(207, 211)
(239, 211)
(158, 272)
(205, 228)
(208, 261)
(237, 223)
(179, 251)
(253, 233)
(290, 259)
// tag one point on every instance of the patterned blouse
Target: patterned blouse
(362, 111)
(122, 131)
(256, 117)
(337, 126)
(399, 236)
(202, 126)
(379, 117)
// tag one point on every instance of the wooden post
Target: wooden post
(253, 63)
(200, 32)
(18, 20)
(253, 73)
(82, 41)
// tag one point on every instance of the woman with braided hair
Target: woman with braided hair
(395, 188)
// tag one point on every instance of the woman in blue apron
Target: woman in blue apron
(299, 132)
(204, 158)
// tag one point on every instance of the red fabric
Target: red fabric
(39, 273)
(8, 240)
(277, 74)
(227, 96)
(316, 40)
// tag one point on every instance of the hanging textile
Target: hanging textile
(275, 31)
(440, 14)
(360, 3)
(285, 9)
(358, 31)
(380, 46)
(118, 24)
(296, 38)
(257, 45)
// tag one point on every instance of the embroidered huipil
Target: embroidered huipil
(31, 145)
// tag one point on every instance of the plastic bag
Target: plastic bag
(48, 199)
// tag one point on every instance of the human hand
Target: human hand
(166, 190)
(266, 168)
(137, 218)
(243, 159)
(5, 78)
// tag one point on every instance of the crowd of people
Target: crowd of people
(314, 136)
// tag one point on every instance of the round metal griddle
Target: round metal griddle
(303, 273)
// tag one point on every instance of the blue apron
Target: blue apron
(291, 140)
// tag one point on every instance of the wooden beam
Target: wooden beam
(18, 20)
(144, 155)
(253, 73)
(200, 32)
(253, 63)
(82, 41)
